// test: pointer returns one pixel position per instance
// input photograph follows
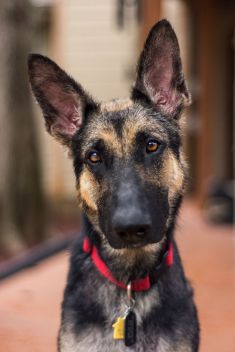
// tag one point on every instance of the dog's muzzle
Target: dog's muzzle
(131, 222)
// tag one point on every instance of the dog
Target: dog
(126, 288)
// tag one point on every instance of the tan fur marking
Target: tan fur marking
(172, 175)
(87, 189)
(115, 105)
(132, 126)
(135, 124)
(111, 140)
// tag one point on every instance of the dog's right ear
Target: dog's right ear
(62, 100)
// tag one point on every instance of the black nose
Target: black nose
(132, 232)
(131, 228)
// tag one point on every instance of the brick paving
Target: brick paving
(30, 300)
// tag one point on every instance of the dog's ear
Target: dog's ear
(62, 100)
(160, 79)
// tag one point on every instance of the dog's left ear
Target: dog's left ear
(160, 79)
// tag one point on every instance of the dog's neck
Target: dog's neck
(126, 264)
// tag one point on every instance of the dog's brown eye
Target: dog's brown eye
(152, 146)
(94, 157)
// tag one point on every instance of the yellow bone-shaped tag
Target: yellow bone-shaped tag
(118, 332)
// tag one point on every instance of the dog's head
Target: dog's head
(127, 154)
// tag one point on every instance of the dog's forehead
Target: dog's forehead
(116, 105)
(120, 121)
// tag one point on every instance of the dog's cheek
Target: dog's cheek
(88, 191)
(172, 176)
(173, 179)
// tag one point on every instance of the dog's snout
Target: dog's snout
(131, 221)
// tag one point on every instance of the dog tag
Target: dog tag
(118, 329)
(130, 328)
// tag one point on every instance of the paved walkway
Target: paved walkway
(30, 301)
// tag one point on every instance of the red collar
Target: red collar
(136, 285)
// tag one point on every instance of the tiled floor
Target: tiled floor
(30, 301)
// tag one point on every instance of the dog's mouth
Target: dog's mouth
(128, 242)
(133, 241)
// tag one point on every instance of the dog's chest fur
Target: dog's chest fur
(92, 305)
(94, 339)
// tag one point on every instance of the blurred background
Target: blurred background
(98, 43)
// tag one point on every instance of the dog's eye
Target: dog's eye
(94, 157)
(152, 146)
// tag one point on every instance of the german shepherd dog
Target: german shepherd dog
(126, 288)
